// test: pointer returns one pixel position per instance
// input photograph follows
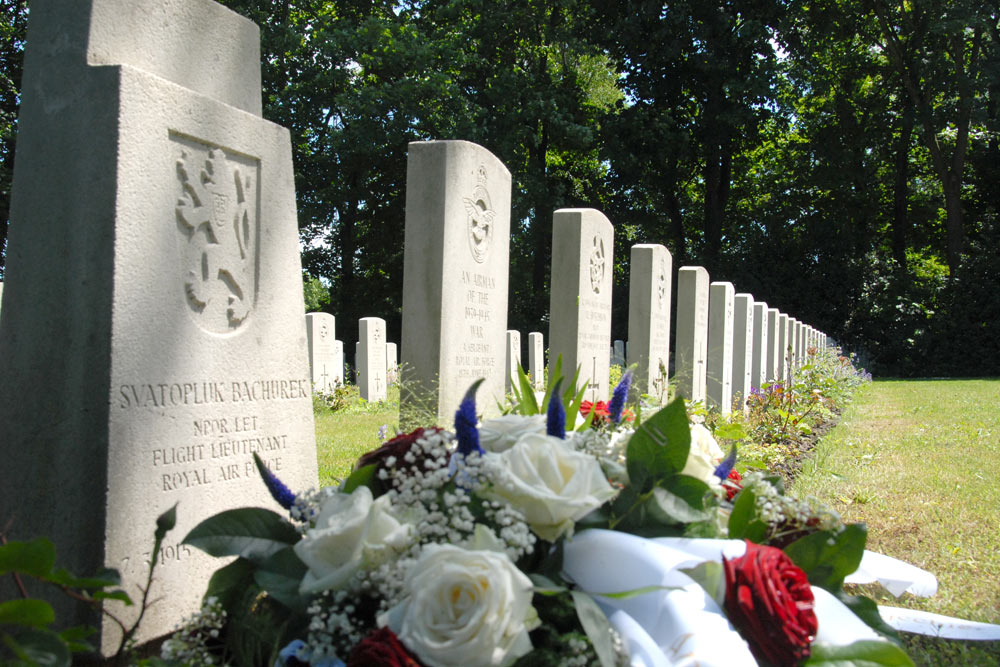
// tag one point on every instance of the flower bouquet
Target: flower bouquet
(513, 541)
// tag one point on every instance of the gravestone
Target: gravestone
(580, 297)
(153, 235)
(782, 348)
(772, 345)
(513, 359)
(618, 353)
(790, 342)
(536, 359)
(797, 344)
(648, 349)
(691, 333)
(719, 364)
(326, 369)
(456, 258)
(758, 360)
(391, 363)
(1, 296)
(742, 346)
(371, 359)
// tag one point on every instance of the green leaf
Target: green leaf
(527, 403)
(864, 653)
(730, 432)
(39, 647)
(34, 558)
(228, 582)
(253, 533)
(74, 638)
(280, 575)
(711, 576)
(30, 612)
(360, 477)
(545, 586)
(121, 596)
(669, 507)
(102, 579)
(744, 511)
(555, 374)
(827, 558)
(635, 592)
(596, 625)
(659, 448)
(865, 609)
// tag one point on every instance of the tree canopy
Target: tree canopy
(837, 158)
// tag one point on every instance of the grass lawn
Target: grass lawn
(343, 436)
(915, 461)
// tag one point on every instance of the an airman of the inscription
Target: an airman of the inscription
(324, 331)
(214, 214)
(597, 264)
(661, 283)
(481, 215)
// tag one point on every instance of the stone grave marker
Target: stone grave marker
(790, 342)
(758, 360)
(618, 353)
(719, 363)
(327, 371)
(456, 258)
(391, 363)
(650, 275)
(742, 346)
(513, 359)
(536, 359)
(154, 237)
(371, 359)
(771, 373)
(580, 298)
(691, 337)
(782, 348)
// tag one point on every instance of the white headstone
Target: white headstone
(691, 337)
(782, 347)
(153, 235)
(580, 297)
(513, 359)
(772, 345)
(790, 344)
(719, 363)
(650, 276)
(391, 363)
(371, 359)
(618, 353)
(758, 360)
(456, 258)
(742, 346)
(320, 331)
(536, 359)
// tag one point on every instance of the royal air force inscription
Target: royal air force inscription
(477, 357)
(219, 446)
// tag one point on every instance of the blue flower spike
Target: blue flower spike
(726, 467)
(617, 405)
(465, 422)
(275, 486)
(555, 418)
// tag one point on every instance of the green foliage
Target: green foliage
(314, 293)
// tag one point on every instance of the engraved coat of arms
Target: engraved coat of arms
(217, 217)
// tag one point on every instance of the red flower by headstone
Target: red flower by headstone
(398, 447)
(600, 410)
(769, 601)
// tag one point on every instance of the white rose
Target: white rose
(352, 531)
(550, 482)
(704, 457)
(500, 434)
(463, 608)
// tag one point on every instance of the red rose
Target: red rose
(398, 447)
(732, 484)
(769, 601)
(600, 410)
(381, 648)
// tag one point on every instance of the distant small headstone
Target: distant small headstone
(371, 359)
(513, 357)
(719, 363)
(771, 373)
(691, 333)
(782, 347)
(456, 259)
(791, 342)
(536, 359)
(618, 353)
(152, 337)
(580, 297)
(742, 346)
(391, 363)
(648, 349)
(758, 360)
(326, 373)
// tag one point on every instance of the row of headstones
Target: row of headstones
(376, 359)
(456, 263)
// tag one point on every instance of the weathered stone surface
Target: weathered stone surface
(513, 359)
(691, 333)
(456, 260)
(719, 364)
(536, 359)
(326, 370)
(371, 359)
(152, 335)
(580, 297)
(758, 370)
(742, 346)
(650, 277)
(773, 349)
